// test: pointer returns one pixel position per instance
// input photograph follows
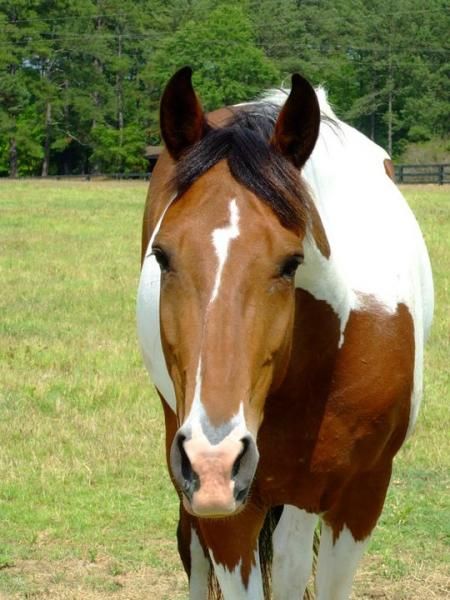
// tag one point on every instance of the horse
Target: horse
(284, 301)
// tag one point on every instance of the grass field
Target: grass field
(86, 508)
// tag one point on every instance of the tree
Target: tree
(17, 87)
(385, 66)
(80, 80)
(220, 47)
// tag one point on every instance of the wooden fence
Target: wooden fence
(83, 177)
(439, 174)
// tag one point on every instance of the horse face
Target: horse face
(228, 248)
(227, 306)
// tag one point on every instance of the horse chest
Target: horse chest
(341, 409)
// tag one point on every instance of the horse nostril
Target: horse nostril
(222, 476)
(182, 469)
(244, 468)
(186, 468)
(241, 494)
(238, 461)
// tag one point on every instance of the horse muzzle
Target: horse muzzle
(215, 479)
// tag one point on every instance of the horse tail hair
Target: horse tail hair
(266, 548)
(214, 592)
(309, 593)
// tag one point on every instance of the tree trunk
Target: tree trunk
(96, 98)
(99, 69)
(13, 157)
(46, 162)
(95, 95)
(390, 91)
(119, 96)
(65, 161)
(389, 148)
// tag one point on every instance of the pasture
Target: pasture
(86, 507)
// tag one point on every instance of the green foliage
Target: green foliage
(111, 154)
(80, 81)
(228, 67)
(432, 151)
(385, 65)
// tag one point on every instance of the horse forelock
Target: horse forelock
(244, 142)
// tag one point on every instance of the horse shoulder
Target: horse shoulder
(370, 395)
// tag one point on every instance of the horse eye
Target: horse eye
(161, 258)
(289, 267)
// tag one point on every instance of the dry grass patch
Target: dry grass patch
(420, 584)
(102, 579)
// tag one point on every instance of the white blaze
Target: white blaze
(221, 238)
(197, 410)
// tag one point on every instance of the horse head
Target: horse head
(228, 248)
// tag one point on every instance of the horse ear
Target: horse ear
(181, 116)
(297, 126)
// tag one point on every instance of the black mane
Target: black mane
(244, 142)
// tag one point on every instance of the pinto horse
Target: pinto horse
(284, 301)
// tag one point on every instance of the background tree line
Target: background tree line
(80, 80)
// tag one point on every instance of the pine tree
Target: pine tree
(80, 80)
(220, 47)
(19, 129)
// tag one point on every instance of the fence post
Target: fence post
(441, 174)
(400, 174)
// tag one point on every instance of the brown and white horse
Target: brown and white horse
(284, 301)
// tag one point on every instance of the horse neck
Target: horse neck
(321, 274)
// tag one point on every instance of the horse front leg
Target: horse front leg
(346, 530)
(234, 551)
(194, 555)
(292, 553)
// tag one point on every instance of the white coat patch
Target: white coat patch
(148, 324)
(337, 563)
(221, 239)
(198, 583)
(292, 552)
(231, 583)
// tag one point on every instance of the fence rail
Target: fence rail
(439, 173)
(84, 176)
(432, 173)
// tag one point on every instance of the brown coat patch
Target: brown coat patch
(389, 168)
(329, 432)
(341, 414)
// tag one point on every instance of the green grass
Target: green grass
(82, 474)
(415, 525)
(81, 469)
